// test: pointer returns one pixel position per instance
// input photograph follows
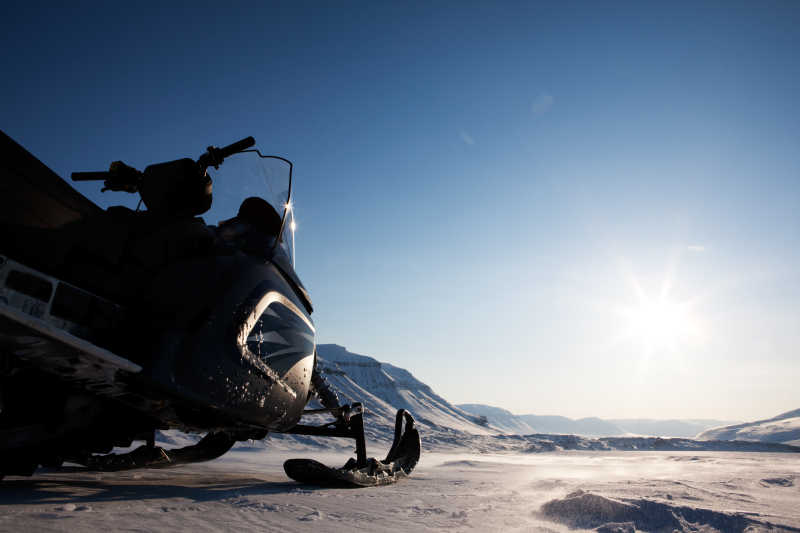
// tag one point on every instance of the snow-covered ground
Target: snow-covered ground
(472, 476)
(246, 490)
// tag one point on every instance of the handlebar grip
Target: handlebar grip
(90, 176)
(238, 146)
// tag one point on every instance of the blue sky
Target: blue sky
(481, 187)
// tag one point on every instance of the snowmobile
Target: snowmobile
(119, 322)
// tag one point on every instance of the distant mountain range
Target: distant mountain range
(383, 388)
(510, 423)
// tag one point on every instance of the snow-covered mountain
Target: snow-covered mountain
(526, 424)
(591, 426)
(782, 428)
(385, 388)
(667, 428)
(505, 421)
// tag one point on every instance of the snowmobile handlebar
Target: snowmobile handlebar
(214, 156)
(90, 176)
(121, 177)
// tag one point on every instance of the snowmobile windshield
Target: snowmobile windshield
(249, 174)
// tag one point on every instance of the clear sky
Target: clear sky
(585, 209)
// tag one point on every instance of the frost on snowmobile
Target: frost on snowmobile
(115, 323)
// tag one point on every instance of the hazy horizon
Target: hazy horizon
(583, 209)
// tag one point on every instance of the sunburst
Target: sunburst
(660, 323)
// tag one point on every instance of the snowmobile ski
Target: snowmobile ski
(362, 472)
(210, 447)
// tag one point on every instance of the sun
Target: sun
(660, 323)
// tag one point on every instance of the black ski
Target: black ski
(400, 461)
(315, 473)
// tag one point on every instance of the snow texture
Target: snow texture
(546, 492)
(472, 476)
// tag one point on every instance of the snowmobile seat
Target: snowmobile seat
(32, 195)
(34, 202)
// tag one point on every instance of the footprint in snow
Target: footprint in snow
(417, 510)
(70, 507)
(316, 515)
(779, 481)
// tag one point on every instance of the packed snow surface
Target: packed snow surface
(473, 475)
(246, 490)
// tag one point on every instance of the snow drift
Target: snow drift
(582, 509)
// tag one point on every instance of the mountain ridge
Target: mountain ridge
(783, 428)
(592, 426)
(384, 388)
